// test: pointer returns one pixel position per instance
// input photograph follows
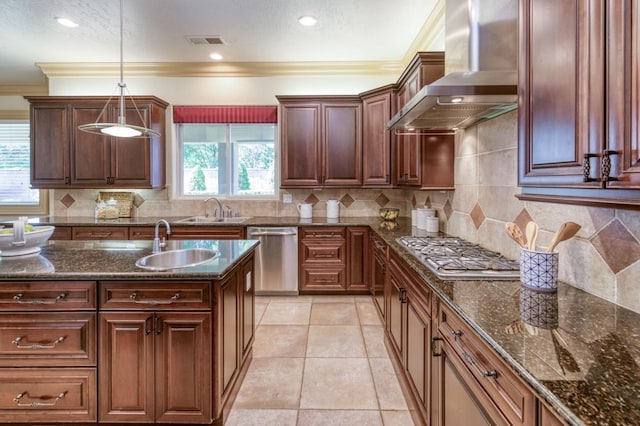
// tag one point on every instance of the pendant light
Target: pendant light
(121, 128)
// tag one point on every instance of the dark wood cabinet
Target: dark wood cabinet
(62, 156)
(378, 259)
(376, 139)
(206, 233)
(357, 261)
(578, 112)
(321, 141)
(409, 331)
(422, 160)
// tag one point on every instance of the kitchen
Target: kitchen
(486, 181)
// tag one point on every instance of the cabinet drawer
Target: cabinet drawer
(155, 295)
(100, 233)
(379, 246)
(47, 295)
(327, 252)
(146, 232)
(48, 395)
(61, 233)
(323, 278)
(207, 233)
(57, 339)
(322, 233)
(514, 399)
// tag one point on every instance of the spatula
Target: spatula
(566, 231)
(515, 233)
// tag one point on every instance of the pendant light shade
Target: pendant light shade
(120, 129)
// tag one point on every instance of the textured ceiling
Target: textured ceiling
(156, 31)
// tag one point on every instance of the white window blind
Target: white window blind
(15, 165)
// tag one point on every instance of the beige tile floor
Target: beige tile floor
(319, 360)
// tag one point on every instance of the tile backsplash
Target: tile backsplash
(603, 258)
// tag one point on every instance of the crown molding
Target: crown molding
(431, 29)
(228, 69)
(24, 89)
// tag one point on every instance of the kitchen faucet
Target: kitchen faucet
(219, 206)
(157, 245)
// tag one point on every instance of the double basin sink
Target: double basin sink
(184, 258)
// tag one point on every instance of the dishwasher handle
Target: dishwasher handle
(282, 233)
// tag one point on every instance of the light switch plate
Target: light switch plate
(287, 199)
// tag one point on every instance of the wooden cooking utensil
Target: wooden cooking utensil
(532, 235)
(566, 231)
(515, 233)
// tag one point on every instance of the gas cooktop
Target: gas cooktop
(455, 258)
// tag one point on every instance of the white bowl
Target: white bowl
(33, 241)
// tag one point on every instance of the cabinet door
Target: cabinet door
(418, 343)
(357, 260)
(130, 158)
(89, 152)
(342, 154)
(623, 93)
(395, 313)
(49, 146)
(457, 398)
(301, 146)
(126, 367)
(183, 361)
(437, 159)
(378, 274)
(561, 112)
(228, 301)
(247, 279)
(376, 146)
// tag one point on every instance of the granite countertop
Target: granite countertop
(577, 352)
(114, 260)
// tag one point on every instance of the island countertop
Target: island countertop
(113, 260)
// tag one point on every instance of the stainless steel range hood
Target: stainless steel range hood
(480, 65)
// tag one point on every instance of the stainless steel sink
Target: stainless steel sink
(174, 259)
(205, 219)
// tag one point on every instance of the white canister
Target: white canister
(305, 211)
(422, 216)
(333, 209)
(430, 212)
(414, 218)
(432, 224)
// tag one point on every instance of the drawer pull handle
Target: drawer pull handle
(26, 345)
(101, 234)
(472, 361)
(136, 299)
(37, 404)
(325, 256)
(20, 299)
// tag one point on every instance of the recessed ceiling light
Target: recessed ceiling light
(307, 21)
(216, 56)
(66, 22)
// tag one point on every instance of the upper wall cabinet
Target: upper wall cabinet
(64, 157)
(376, 148)
(321, 141)
(579, 94)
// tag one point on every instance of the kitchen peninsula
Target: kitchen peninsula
(89, 337)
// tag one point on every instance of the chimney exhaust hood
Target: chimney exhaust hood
(480, 79)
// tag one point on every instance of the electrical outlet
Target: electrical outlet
(287, 199)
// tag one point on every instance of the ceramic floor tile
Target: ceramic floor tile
(338, 383)
(271, 383)
(333, 299)
(339, 418)
(286, 314)
(260, 308)
(248, 417)
(280, 341)
(396, 418)
(368, 314)
(388, 388)
(291, 299)
(335, 341)
(374, 341)
(334, 314)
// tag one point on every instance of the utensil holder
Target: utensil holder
(539, 269)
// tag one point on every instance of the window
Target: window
(227, 151)
(16, 195)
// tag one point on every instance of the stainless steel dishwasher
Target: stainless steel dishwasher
(276, 263)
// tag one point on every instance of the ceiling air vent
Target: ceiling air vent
(208, 40)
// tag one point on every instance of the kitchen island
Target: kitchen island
(88, 337)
